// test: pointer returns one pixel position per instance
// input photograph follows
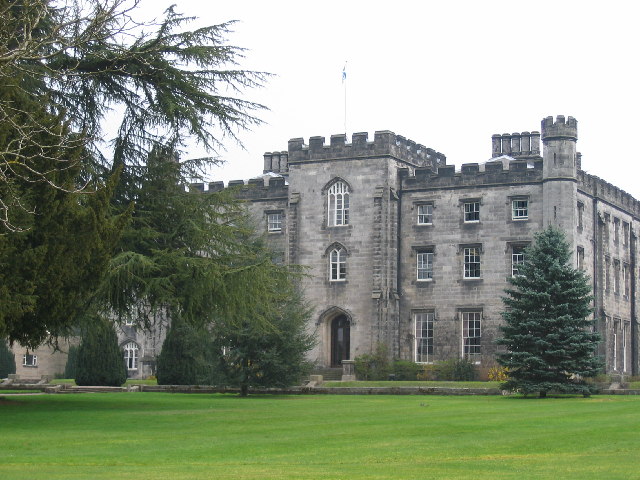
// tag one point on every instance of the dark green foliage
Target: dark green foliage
(186, 357)
(405, 370)
(457, 370)
(7, 360)
(452, 370)
(49, 269)
(255, 355)
(373, 366)
(100, 360)
(547, 333)
(64, 66)
(72, 361)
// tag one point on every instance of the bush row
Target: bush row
(377, 366)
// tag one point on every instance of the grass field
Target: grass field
(176, 436)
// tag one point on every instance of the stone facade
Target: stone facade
(44, 361)
(395, 238)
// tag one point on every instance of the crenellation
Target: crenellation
(470, 168)
(561, 128)
(595, 186)
(384, 143)
(216, 186)
(517, 165)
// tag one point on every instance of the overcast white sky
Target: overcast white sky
(447, 74)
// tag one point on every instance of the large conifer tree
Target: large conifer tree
(100, 361)
(548, 336)
(63, 67)
(7, 360)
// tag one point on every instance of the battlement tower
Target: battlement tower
(559, 173)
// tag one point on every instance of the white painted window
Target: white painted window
(424, 265)
(471, 262)
(425, 214)
(580, 258)
(423, 337)
(274, 222)
(338, 204)
(29, 360)
(472, 211)
(338, 265)
(471, 348)
(520, 209)
(131, 356)
(517, 259)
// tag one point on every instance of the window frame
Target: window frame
(30, 356)
(271, 225)
(471, 344)
(131, 355)
(514, 209)
(421, 217)
(517, 250)
(428, 254)
(468, 212)
(421, 342)
(468, 266)
(338, 204)
(338, 264)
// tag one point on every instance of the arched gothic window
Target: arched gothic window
(338, 265)
(338, 204)
(131, 356)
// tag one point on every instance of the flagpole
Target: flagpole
(344, 83)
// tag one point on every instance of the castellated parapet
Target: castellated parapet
(598, 188)
(560, 129)
(474, 174)
(261, 188)
(385, 143)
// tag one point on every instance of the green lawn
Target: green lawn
(201, 436)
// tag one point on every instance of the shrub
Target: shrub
(373, 366)
(406, 370)
(498, 374)
(184, 358)
(99, 359)
(7, 360)
(454, 369)
(457, 370)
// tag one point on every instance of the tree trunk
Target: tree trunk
(543, 394)
(244, 390)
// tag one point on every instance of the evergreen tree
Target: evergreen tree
(72, 361)
(185, 358)
(53, 259)
(188, 257)
(251, 355)
(548, 335)
(7, 360)
(100, 360)
(63, 67)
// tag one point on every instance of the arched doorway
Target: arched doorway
(340, 339)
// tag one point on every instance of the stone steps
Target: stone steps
(329, 374)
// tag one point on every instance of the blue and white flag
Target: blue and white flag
(344, 73)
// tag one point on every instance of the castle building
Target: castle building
(406, 250)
